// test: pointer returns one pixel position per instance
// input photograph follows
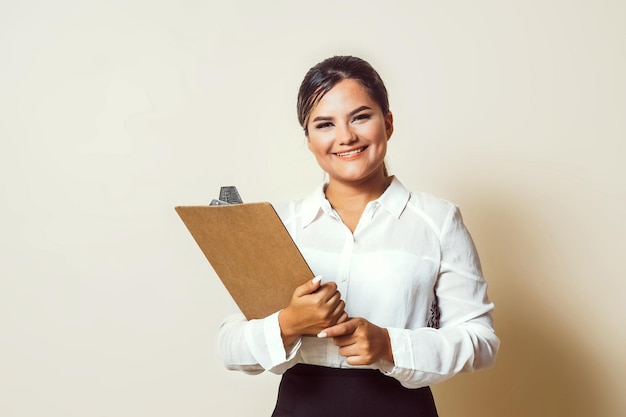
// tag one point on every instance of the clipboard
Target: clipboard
(251, 252)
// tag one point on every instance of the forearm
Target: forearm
(429, 356)
(288, 329)
(232, 348)
(253, 346)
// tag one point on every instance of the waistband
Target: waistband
(326, 371)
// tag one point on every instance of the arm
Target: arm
(361, 342)
(272, 343)
(465, 340)
(313, 307)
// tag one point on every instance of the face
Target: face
(348, 134)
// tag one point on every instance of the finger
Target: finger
(327, 290)
(334, 301)
(344, 341)
(357, 360)
(354, 356)
(328, 294)
(347, 327)
(339, 312)
(348, 350)
(344, 316)
(308, 287)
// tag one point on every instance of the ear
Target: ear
(389, 124)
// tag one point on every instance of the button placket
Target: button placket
(367, 216)
(346, 257)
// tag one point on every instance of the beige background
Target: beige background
(112, 113)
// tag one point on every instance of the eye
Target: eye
(361, 116)
(323, 125)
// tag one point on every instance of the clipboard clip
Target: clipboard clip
(228, 195)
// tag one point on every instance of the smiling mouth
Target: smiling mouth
(350, 153)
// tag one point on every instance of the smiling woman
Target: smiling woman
(348, 134)
(402, 303)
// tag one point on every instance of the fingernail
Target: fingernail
(317, 279)
(321, 335)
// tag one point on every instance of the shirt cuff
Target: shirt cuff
(263, 337)
(402, 350)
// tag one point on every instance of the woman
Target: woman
(399, 301)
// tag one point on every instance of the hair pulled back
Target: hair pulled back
(325, 75)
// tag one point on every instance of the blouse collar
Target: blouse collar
(394, 200)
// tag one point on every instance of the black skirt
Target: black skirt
(314, 391)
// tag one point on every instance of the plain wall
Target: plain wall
(112, 113)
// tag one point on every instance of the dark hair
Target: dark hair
(325, 75)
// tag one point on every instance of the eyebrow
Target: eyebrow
(352, 113)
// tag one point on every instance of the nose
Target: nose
(345, 135)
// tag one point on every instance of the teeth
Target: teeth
(354, 152)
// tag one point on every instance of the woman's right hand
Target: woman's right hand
(313, 308)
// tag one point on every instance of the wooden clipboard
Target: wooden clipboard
(252, 253)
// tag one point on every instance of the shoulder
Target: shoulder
(418, 200)
(429, 203)
(305, 209)
(286, 209)
(435, 210)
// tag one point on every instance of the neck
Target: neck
(354, 197)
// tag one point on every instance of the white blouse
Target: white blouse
(410, 266)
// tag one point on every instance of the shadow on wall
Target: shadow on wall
(542, 368)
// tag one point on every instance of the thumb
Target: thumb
(308, 287)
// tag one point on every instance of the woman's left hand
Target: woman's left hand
(360, 341)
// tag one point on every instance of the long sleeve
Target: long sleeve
(408, 250)
(253, 346)
(465, 340)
